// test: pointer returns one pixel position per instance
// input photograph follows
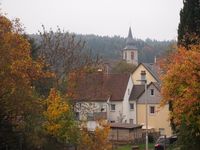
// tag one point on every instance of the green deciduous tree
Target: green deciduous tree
(123, 67)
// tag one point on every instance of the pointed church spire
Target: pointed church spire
(129, 41)
(130, 33)
(130, 52)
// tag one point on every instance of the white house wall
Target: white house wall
(132, 113)
(113, 115)
(126, 103)
(89, 107)
(122, 108)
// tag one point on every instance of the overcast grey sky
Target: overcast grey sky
(156, 19)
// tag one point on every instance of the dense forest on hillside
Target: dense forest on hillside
(109, 48)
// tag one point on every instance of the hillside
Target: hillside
(110, 47)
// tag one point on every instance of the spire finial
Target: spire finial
(129, 40)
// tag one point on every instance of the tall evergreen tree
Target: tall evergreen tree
(189, 25)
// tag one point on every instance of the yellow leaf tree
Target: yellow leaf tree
(60, 121)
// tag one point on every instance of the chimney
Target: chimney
(155, 60)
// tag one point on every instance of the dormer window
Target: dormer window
(152, 92)
(143, 76)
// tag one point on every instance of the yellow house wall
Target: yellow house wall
(158, 120)
(137, 75)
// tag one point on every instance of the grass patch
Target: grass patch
(126, 147)
(141, 146)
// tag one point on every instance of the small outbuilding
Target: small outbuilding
(125, 132)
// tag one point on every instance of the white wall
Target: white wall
(126, 102)
(113, 115)
(89, 107)
(91, 125)
(121, 107)
(128, 56)
(132, 113)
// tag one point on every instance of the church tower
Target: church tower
(130, 52)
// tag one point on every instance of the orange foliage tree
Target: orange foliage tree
(181, 88)
(18, 100)
(18, 70)
(97, 139)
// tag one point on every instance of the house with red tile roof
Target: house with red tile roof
(120, 98)
(104, 96)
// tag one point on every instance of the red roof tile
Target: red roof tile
(99, 87)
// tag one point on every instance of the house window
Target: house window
(131, 106)
(77, 116)
(162, 131)
(131, 121)
(112, 107)
(143, 76)
(152, 110)
(90, 116)
(132, 55)
(78, 106)
(151, 92)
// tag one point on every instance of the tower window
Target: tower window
(132, 55)
(125, 55)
